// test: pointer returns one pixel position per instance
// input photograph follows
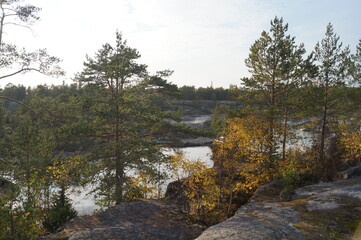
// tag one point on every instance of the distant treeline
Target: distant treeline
(20, 92)
(209, 93)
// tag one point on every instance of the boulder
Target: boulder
(352, 172)
(175, 194)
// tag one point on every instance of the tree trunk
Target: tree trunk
(119, 169)
(2, 18)
(285, 133)
(271, 146)
(324, 128)
(119, 182)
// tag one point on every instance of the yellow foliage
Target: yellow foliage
(241, 165)
(351, 142)
(61, 171)
(183, 167)
(242, 152)
(140, 186)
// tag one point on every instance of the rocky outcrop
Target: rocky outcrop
(352, 172)
(135, 220)
(322, 211)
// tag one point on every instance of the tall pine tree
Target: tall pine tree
(330, 59)
(126, 120)
(276, 64)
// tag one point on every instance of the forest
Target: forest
(110, 126)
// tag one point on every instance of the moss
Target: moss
(343, 222)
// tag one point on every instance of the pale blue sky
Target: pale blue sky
(203, 41)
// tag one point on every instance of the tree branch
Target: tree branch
(20, 71)
(20, 103)
(17, 24)
(8, 163)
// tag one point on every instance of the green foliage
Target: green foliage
(125, 119)
(277, 67)
(290, 178)
(331, 61)
(60, 212)
(218, 122)
(209, 93)
(19, 219)
(300, 168)
(109, 126)
(355, 69)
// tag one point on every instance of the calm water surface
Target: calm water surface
(84, 202)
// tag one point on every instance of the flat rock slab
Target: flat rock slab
(307, 215)
(257, 221)
(317, 205)
(333, 190)
(135, 220)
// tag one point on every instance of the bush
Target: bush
(60, 212)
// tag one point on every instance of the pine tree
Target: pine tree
(330, 59)
(356, 64)
(276, 64)
(126, 122)
(60, 212)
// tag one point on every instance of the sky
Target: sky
(205, 42)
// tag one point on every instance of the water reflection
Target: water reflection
(84, 201)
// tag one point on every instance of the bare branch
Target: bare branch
(20, 71)
(17, 24)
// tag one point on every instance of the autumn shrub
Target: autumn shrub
(300, 168)
(351, 144)
(199, 187)
(241, 165)
(203, 194)
(141, 185)
(243, 152)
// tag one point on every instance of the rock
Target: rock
(332, 190)
(135, 220)
(268, 191)
(322, 211)
(194, 142)
(329, 210)
(318, 205)
(352, 172)
(175, 194)
(257, 221)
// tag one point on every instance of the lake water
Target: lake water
(84, 202)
